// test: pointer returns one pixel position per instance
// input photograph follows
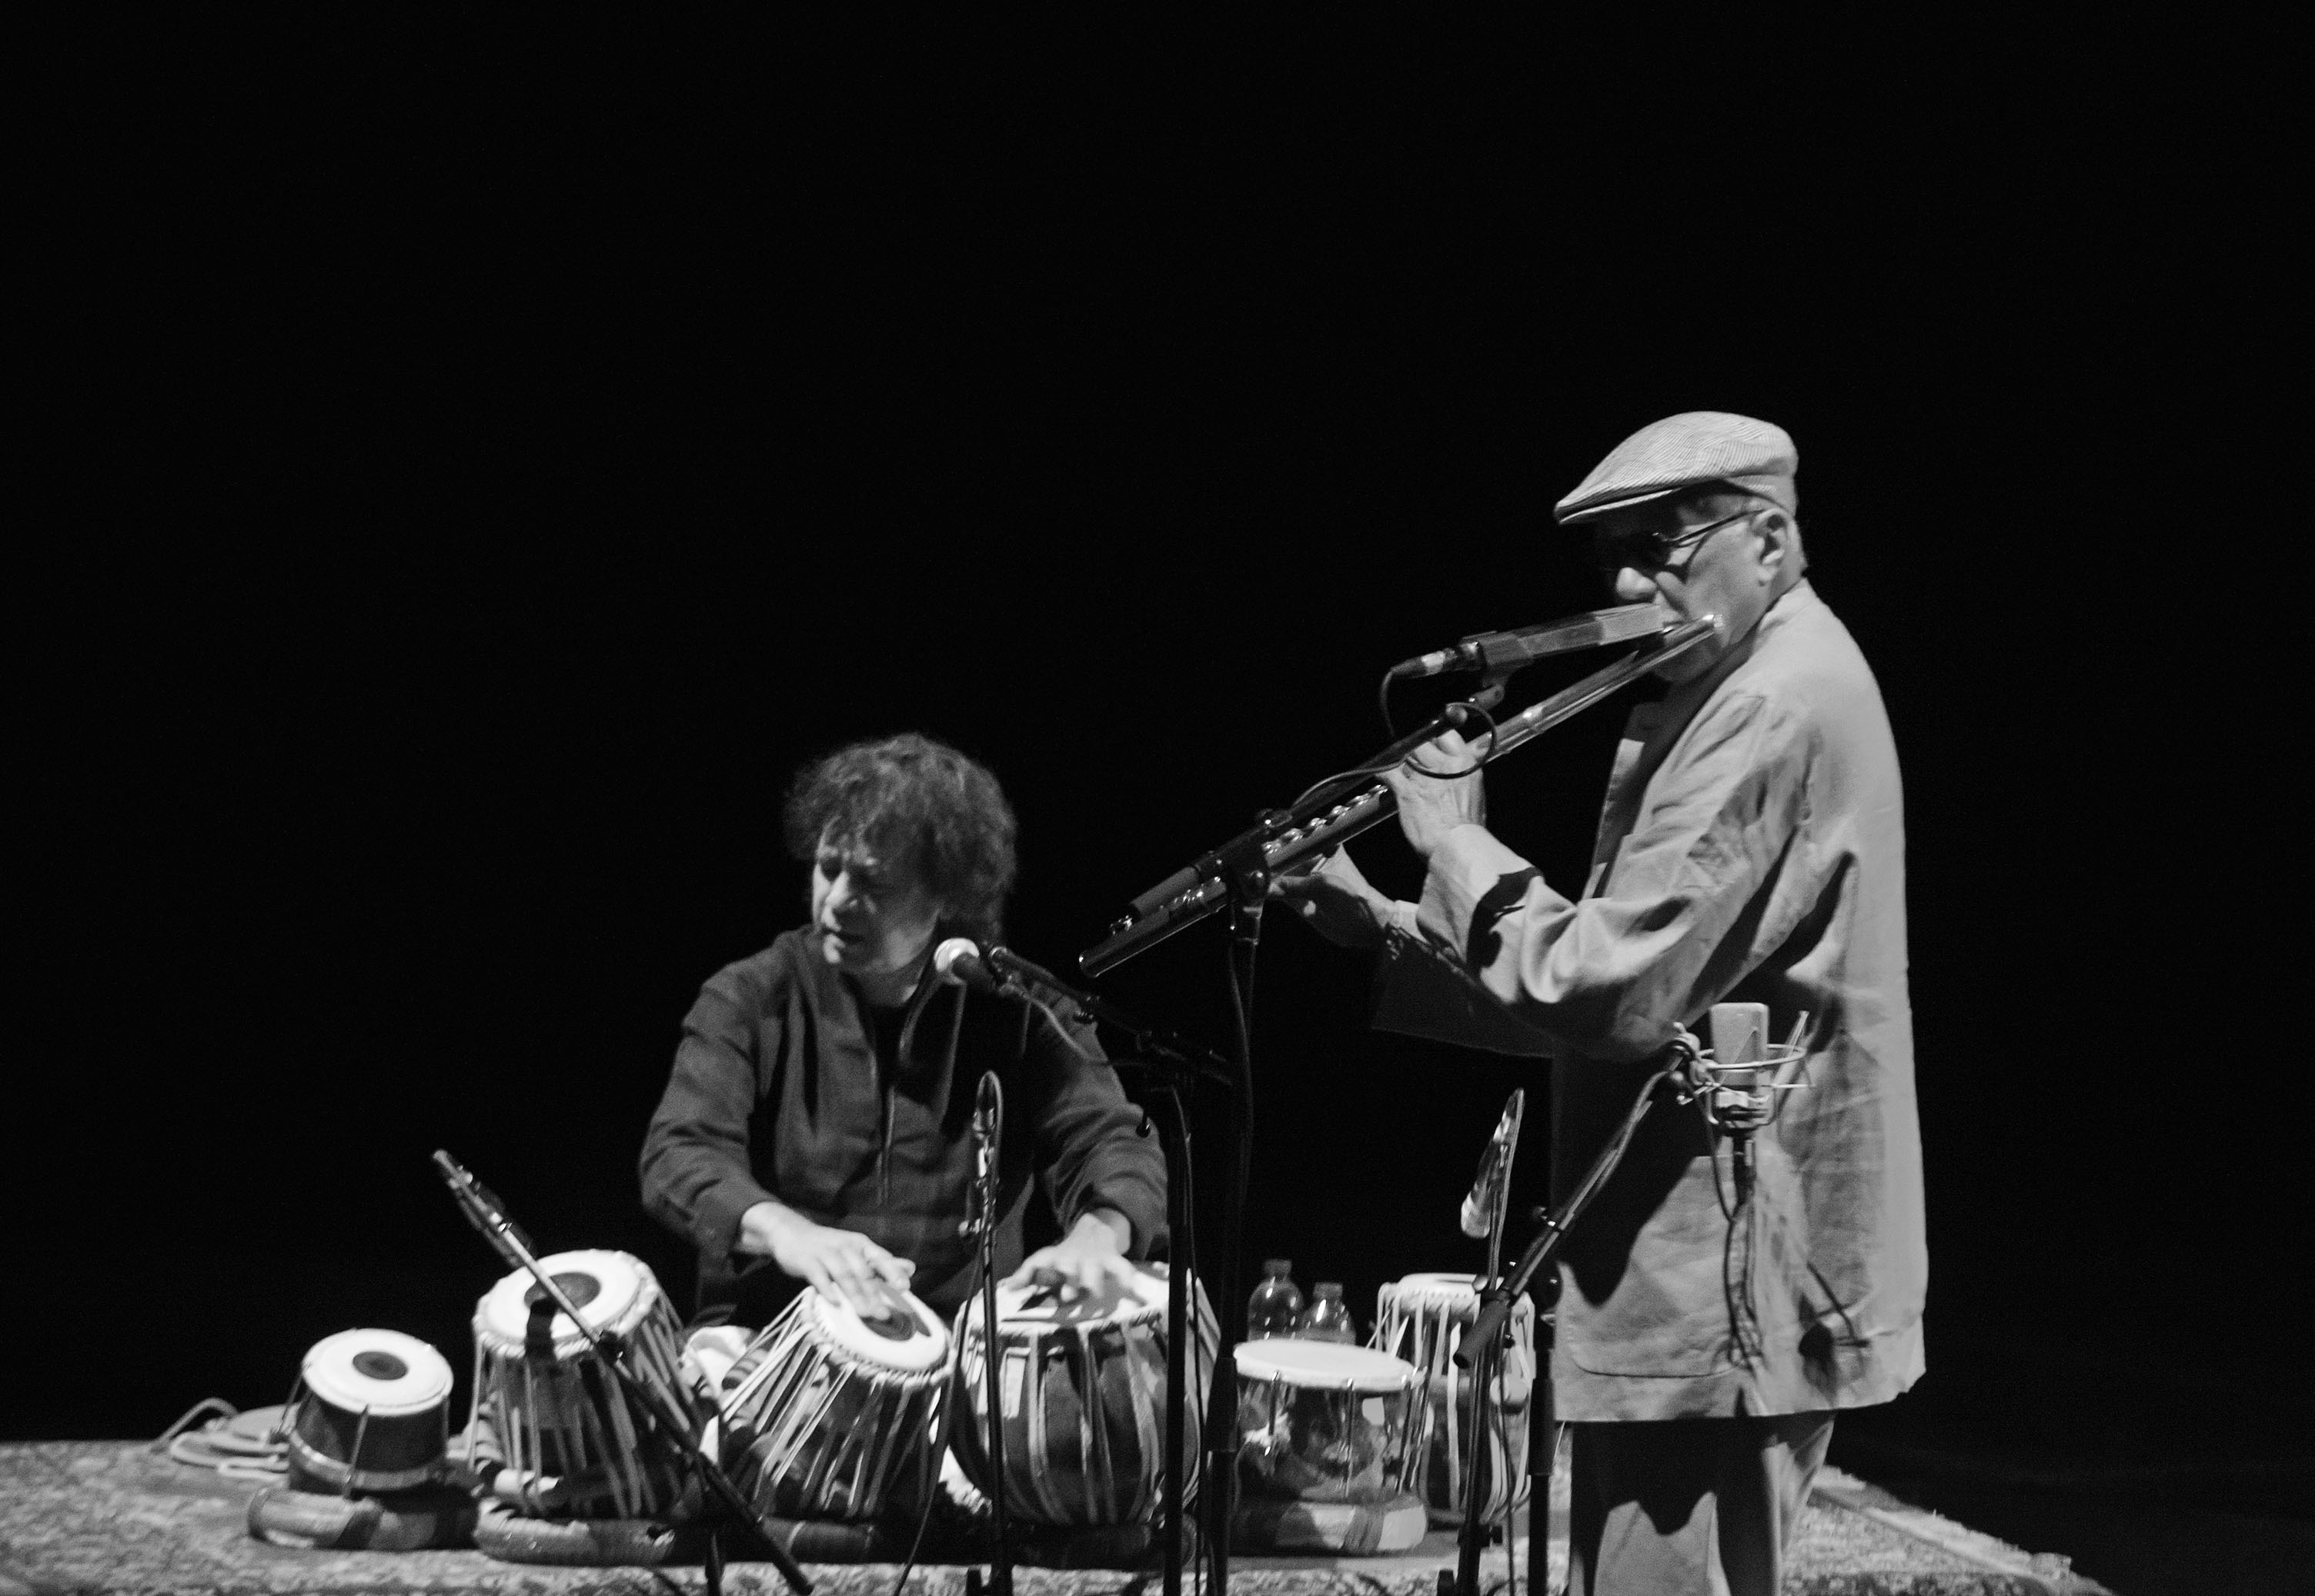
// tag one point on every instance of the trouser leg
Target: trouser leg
(1767, 1467)
(1689, 1505)
(1639, 1510)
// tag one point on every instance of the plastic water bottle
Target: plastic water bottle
(1326, 1318)
(1276, 1305)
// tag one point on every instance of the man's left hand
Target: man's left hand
(1084, 1261)
(1431, 806)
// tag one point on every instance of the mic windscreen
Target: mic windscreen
(946, 956)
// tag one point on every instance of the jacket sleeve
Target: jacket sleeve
(1611, 976)
(696, 1177)
(1089, 1151)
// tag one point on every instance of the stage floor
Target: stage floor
(116, 1517)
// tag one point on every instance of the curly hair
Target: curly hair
(911, 796)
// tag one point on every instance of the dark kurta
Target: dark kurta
(778, 1092)
(1750, 848)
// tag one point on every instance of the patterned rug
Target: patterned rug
(115, 1517)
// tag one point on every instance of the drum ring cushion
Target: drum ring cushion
(407, 1522)
(587, 1543)
(603, 1543)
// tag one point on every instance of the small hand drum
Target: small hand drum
(1321, 1422)
(1423, 1319)
(1083, 1402)
(575, 1442)
(826, 1413)
(370, 1413)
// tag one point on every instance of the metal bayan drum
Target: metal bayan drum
(1321, 1422)
(573, 1442)
(1084, 1399)
(1422, 1320)
(825, 1413)
(369, 1412)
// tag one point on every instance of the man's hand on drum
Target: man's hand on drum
(841, 1264)
(1438, 789)
(1335, 900)
(1091, 1256)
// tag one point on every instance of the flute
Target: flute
(1322, 821)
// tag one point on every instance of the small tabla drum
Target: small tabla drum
(573, 1442)
(369, 1414)
(827, 1415)
(1423, 1319)
(1084, 1399)
(1322, 1422)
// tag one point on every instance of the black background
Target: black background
(468, 472)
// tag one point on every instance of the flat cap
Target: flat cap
(1686, 451)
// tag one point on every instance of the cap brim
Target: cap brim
(1570, 517)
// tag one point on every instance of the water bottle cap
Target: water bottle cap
(1277, 1266)
(1330, 1287)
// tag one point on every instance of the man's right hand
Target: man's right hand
(1337, 901)
(841, 1264)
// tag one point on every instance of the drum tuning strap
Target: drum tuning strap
(538, 1331)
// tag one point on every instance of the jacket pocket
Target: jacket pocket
(1665, 1312)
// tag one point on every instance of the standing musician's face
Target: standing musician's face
(873, 917)
(1691, 563)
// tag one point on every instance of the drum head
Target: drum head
(910, 1347)
(1141, 1301)
(383, 1371)
(611, 1290)
(1326, 1365)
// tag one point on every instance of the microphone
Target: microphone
(1478, 1216)
(959, 960)
(987, 1132)
(485, 1212)
(1508, 651)
(1003, 973)
(1740, 1093)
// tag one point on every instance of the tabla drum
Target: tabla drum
(1423, 1319)
(1083, 1404)
(553, 1431)
(1321, 1422)
(369, 1414)
(827, 1415)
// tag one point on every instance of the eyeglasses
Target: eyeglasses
(1652, 551)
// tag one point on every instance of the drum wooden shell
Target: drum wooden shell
(574, 1441)
(1084, 1400)
(828, 1418)
(370, 1412)
(1321, 1422)
(1422, 1319)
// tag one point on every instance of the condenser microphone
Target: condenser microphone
(1478, 1216)
(1521, 645)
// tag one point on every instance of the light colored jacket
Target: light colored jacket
(1750, 848)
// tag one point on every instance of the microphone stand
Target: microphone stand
(487, 1215)
(1495, 1305)
(1482, 1355)
(1171, 1066)
(988, 1130)
(1245, 870)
